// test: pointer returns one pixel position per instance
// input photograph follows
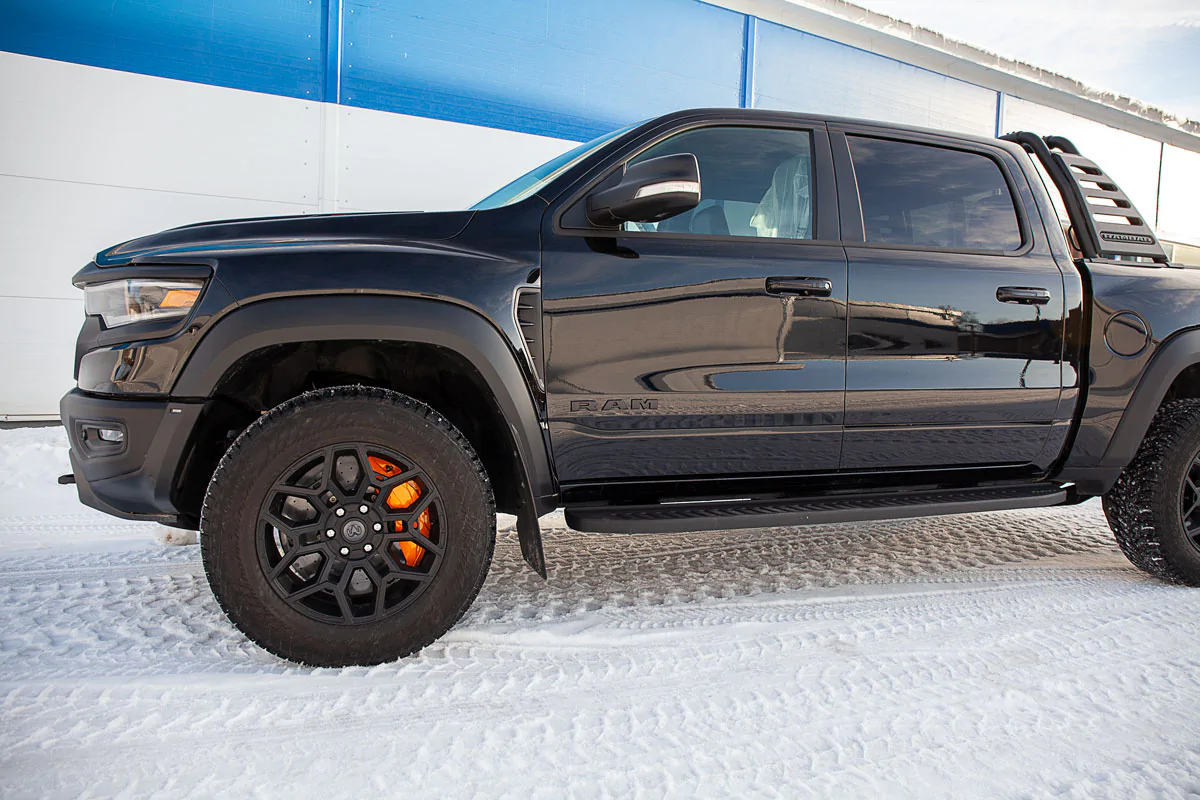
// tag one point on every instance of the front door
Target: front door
(711, 343)
(956, 309)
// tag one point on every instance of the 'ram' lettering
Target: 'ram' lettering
(616, 404)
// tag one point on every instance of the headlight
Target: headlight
(140, 299)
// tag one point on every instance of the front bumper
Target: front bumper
(135, 479)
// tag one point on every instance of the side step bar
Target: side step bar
(725, 515)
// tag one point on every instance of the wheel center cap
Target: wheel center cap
(354, 531)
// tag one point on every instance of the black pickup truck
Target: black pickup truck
(715, 319)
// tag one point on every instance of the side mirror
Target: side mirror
(649, 191)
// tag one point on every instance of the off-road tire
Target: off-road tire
(327, 417)
(1144, 507)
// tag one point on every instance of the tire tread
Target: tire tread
(1130, 504)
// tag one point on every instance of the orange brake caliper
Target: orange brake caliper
(400, 498)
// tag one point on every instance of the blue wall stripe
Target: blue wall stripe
(799, 71)
(567, 68)
(271, 46)
(571, 69)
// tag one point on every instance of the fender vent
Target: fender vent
(527, 310)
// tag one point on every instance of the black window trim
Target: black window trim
(825, 207)
(850, 203)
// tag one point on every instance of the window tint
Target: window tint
(915, 194)
(753, 182)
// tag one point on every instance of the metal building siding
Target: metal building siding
(271, 46)
(796, 71)
(1131, 160)
(563, 68)
(1179, 205)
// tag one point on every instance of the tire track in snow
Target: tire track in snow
(911, 699)
(964, 656)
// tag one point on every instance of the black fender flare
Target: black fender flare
(1176, 354)
(293, 320)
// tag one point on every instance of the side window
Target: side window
(916, 194)
(753, 182)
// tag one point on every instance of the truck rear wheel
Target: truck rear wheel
(1154, 508)
(348, 526)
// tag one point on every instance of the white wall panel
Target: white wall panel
(52, 228)
(92, 157)
(37, 338)
(400, 163)
(89, 125)
(1131, 160)
(1179, 201)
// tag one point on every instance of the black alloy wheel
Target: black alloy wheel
(351, 533)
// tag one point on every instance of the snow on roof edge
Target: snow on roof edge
(1022, 69)
(820, 17)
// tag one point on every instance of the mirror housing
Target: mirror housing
(650, 191)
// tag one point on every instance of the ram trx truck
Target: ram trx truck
(715, 319)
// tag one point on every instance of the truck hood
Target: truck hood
(209, 239)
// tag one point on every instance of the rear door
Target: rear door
(711, 344)
(955, 329)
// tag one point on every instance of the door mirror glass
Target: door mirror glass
(650, 191)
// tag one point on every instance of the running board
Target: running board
(730, 514)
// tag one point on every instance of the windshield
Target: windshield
(532, 182)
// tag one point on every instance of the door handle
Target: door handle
(1024, 295)
(803, 287)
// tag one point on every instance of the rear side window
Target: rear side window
(926, 196)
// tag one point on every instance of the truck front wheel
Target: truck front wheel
(1154, 507)
(348, 526)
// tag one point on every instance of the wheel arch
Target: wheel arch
(1173, 374)
(433, 333)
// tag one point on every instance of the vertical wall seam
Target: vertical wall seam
(331, 47)
(1162, 151)
(749, 39)
(330, 118)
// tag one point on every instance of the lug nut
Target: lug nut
(377, 526)
(341, 512)
(368, 548)
(362, 509)
(345, 551)
(330, 533)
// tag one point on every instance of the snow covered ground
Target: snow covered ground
(1002, 655)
